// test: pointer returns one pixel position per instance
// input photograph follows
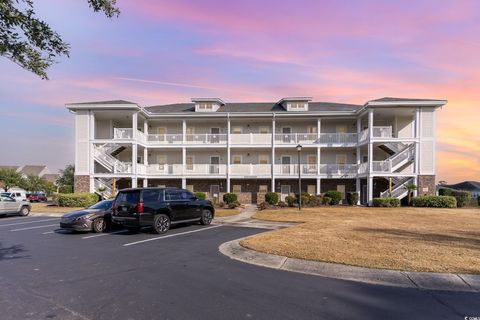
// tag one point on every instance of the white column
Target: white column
(134, 125)
(92, 184)
(134, 182)
(359, 160)
(417, 137)
(184, 131)
(91, 145)
(184, 160)
(319, 185)
(134, 147)
(145, 182)
(145, 156)
(370, 189)
(184, 183)
(228, 154)
(272, 187)
(319, 129)
(134, 158)
(145, 128)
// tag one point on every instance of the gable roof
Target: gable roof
(465, 185)
(251, 107)
(393, 99)
(103, 102)
(10, 167)
(32, 170)
(52, 177)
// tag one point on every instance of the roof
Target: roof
(52, 177)
(252, 107)
(103, 102)
(393, 101)
(10, 167)
(466, 185)
(32, 170)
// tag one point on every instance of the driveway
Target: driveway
(48, 274)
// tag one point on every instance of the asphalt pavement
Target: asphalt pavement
(46, 273)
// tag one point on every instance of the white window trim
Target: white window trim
(215, 128)
(214, 157)
(285, 156)
(233, 188)
(281, 130)
(266, 156)
(266, 189)
(237, 127)
(264, 127)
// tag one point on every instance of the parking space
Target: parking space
(51, 273)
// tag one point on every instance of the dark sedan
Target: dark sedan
(96, 218)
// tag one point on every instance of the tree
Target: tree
(29, 41)
(66, 178)
(410, 188)
(10, 178)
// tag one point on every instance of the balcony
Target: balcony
(292, 169)
(295, 138)
(122, 133)
(206, 138)
(382, 132)
(250, 138)
(339, 138)
(339, 170)
(174, 139)
(187, 170)
(251, 169)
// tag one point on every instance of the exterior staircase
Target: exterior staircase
(398, 188)
(105, 156)
(104, 184)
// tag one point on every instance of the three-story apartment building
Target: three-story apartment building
(215, 147)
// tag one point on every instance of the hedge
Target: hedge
(75, 199)
(352, 198)
(271, 198)
(463, 197)
(335, 196)
(229, 198)
(435, 201)
(291, 201)
(201, 195)
(386, 202)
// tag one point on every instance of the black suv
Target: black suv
(159, 208)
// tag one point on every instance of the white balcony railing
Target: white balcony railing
(363, 168)
(382, 132)
(339, 169)
(206, 138)
(142, 137)
(165, 138)
(165, 169)
(338, 138)
(206, 169)
(382, 166)
(251, 138)
(363, 136)
(122, 133)
(250, 169)
(293, 138)
(292, 169)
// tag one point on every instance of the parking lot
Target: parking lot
(47, 273)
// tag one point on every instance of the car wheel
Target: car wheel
(24, 211)
(207, 217)
(99, 225)
(161, 224)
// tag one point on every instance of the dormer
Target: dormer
(295, 103)
(207, 104)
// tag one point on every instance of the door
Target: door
(312, 163)
(161, 134)
(162, 164)
(189, 163)
(284, 192)
(215, 193)
(176, 202)
(341, 160)
(287, 135)
(214, 135)
(214, 165)
(341, 130)
(286, 162)
(341, 188)
(192, 209)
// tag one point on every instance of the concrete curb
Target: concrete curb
(419, 280)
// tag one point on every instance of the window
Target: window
(264, 130)
(162, 161)
(205, 106)
(173, 195)
(152, 195)
(364, 158)
(263, 188)
(297, 106)
(341, 159)
(190, 187)
(312, 129)
(237, 159)
(139, 159)
(190, 130)
(312, 162)
(237, 130)
(263, 159)
(341, 129)
(237, 188)
(311, 189)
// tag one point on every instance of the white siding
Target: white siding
(427, 157)
(82, 129)
(427, 123)
(404, 127)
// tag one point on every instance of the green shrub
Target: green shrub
(291, 201)
(326, 200)
(200, 195)
(463, 197)
(445, 192)
(229, 198)
(281, 204)
(262, 206)
(232, 205)
(386, 202)
(75, 199)
(305, 199)
(335, 196)
(315, 201)
(352, 198)
(65, 189)
(435, 201)
(271, 198)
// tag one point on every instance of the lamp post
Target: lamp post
(299, 149)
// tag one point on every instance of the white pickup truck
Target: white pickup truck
(9, 206)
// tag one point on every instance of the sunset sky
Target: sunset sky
(169, 51)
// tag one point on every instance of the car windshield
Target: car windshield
(6, 194)
(105, 204)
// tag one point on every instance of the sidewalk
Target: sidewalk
(244, 219)
(419, 280)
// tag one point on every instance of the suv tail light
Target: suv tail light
(140, 207)
(113, 207)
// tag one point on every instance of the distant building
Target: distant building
(41, 171)
(472, 186)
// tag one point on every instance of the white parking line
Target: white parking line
(19, 223)
(37, 227)
(17, 218)
(169, 236)
(48, 232)
(104, 234)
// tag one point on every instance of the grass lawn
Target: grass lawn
(220, 212)
(409, 239)
(42, 207)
